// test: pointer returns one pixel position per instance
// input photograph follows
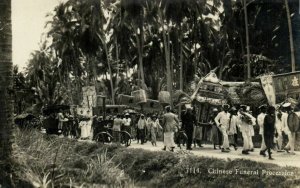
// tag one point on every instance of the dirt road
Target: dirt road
(281, 158)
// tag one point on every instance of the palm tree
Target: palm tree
(290, 35)
(6, 84)
(64, 31)
(134, 18)
(167, 50)
(44, 77)
(247, 39)
(79, 36)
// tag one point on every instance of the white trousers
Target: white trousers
(250, 141)
(279, 140)
(225, 137)
(291, 144)
(246, 138)
(263, 144)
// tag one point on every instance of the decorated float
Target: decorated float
(211, 92)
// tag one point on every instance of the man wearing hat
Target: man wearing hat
(117, 123)
(232, 130)
(154, 126)
(222, 121)
(286, 110)
(260, 122)
(269, 130)
(215, 133)
(279, 129)
(141, 129)
(245, 120)
(127, 123)
(188, 122)
(251, 127)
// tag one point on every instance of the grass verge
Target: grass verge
(49, 161)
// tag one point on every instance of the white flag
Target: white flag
(268, 86)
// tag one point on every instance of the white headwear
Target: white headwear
(287, 104)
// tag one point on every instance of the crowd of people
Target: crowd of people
(221, 130)
(225, 125)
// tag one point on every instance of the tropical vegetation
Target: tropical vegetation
(124, 45)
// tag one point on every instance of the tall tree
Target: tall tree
(247, 39)
(6, 84)
(134, 17)
(288, 14)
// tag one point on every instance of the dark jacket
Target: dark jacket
(188, 121)
(269, 125)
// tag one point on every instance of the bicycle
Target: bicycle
(104, 136)
(125, 138)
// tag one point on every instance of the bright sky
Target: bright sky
(28, 21)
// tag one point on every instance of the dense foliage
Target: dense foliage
(156, 45)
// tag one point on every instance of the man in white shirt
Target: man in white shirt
(141, 128)
(117, 123)
(285, 113)
(222, 121)
(251, 127)
(232, 130)
(279, 130)
(245, 120)
(260, 122)
(127, 123)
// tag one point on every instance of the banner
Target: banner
(84, 111)
(211, 100)
(89, 97)
(287, 84)
(268, 86)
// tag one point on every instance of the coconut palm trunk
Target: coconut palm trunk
(166, 39)
(117, 60)
(290, 35)
(139, 40)
(180, 70)
(6, 83)
(247, 40)
(112, 90)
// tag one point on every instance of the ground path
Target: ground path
(281, 158)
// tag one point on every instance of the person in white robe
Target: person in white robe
(245, 120)
(260, 122)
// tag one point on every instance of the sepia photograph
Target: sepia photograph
(149, 93)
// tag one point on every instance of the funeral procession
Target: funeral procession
(149, 93)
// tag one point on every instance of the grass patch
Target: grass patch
(47, 161)
(165, 169)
